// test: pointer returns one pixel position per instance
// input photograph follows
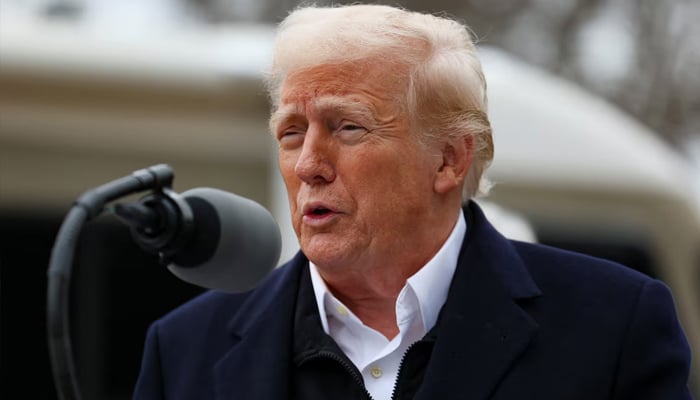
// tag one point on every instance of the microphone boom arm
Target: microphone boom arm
(88, 206)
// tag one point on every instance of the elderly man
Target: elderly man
(399, 292)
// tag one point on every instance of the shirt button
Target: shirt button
(376, 372)
(342, 311)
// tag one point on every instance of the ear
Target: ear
(457, 157)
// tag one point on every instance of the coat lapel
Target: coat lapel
(257, 365)
(482, 329)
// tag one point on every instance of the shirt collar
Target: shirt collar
(430, 284)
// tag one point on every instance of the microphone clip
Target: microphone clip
(161, 222)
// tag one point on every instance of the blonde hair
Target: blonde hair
(446, 89)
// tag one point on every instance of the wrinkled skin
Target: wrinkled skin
(369, 202)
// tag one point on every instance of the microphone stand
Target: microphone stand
(155, 233)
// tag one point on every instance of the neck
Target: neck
(371, 295)
(375, 310)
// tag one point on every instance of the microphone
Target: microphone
(207, 237)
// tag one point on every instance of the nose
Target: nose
(315, 164)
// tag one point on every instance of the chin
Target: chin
(324, 258)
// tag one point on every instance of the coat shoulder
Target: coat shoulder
(553, 267)
(215, 309)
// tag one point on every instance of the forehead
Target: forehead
(358, 82)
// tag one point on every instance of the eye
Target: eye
(350, 127)
(350, 131)
(290, 138)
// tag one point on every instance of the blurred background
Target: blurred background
(595, 106)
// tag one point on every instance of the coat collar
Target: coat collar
(258, 363)
(482, 329)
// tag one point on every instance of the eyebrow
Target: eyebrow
(338, 104)
(346, 105)
(283, 113)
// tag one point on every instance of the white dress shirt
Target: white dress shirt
(417, 309)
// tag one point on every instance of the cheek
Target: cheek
(292, 183)
(377, 181)
(401, 180)
(287, 163)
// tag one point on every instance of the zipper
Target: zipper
(398, 374)
(348, 367)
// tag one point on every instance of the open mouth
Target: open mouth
(319, 211)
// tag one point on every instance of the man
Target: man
(399, 292)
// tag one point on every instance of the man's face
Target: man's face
(359, 182)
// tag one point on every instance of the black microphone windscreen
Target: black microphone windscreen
(236, 242)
